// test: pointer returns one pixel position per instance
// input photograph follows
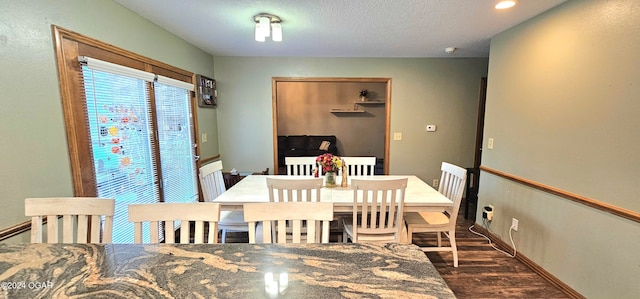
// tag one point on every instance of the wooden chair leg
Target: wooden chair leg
(224, 236)
(439, 239)
(454, 248)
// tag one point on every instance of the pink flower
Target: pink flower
(329, 162)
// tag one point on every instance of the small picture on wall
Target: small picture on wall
(206, 91)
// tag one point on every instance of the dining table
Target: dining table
(236, 270)
(419, 196)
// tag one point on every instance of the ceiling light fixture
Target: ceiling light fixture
(268, 25)
(506, 4)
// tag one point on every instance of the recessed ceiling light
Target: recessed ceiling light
(506, 4)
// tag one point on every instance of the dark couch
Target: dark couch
(304, 146)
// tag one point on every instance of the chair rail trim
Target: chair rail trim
(596, 204)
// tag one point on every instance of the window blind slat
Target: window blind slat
(119, 118)
(175, 137)
(123, 140)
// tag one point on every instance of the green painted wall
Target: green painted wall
(424, 91)
(35, 160)
(562, 107)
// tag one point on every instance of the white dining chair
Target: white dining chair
(205, 215)
(300, 166)
(294, 190)
(278, 217)
(452, 183)
(82, 219)
(377, 211)
(359, 166)
(212, 183)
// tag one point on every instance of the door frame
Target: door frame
(274, 109)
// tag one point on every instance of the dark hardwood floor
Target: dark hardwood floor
(482, 271)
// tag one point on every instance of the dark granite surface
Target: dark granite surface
(218, 271)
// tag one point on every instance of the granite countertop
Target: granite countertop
(218, 271)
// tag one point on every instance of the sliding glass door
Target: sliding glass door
(141, 141)
(175, 136)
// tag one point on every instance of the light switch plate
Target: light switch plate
(490, 143)
(397, 136)
(204, 138)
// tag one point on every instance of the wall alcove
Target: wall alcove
(332, 107)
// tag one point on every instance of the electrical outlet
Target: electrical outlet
(436, 183)
(397, 136)
(490, 143)
(514, 224)
(204, 138)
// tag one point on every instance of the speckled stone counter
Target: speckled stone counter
(218, 271)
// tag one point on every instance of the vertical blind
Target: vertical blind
(123, 139)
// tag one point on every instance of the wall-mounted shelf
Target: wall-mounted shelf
(369, 103)
(338, 110)
(355, 107)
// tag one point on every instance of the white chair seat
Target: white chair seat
(426, 219)
(390, 238)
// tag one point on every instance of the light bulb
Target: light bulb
(264, 26)
(259, 36)
(277, 32)
(506, 4)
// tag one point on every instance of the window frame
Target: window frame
(68, 46)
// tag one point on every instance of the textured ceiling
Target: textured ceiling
(340, 28)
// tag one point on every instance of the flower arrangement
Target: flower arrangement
(329, 162)
(363, 93)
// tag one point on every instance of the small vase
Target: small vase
(363, 99)
(330, 179)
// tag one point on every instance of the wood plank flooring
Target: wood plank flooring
(482, 272)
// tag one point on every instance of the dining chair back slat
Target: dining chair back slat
(294, 190)
(278, 217)
(377, 211)
(300, 166)
(289, 189)
(212, 180)
(359, 166)
(85, 212)
(203, 214)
